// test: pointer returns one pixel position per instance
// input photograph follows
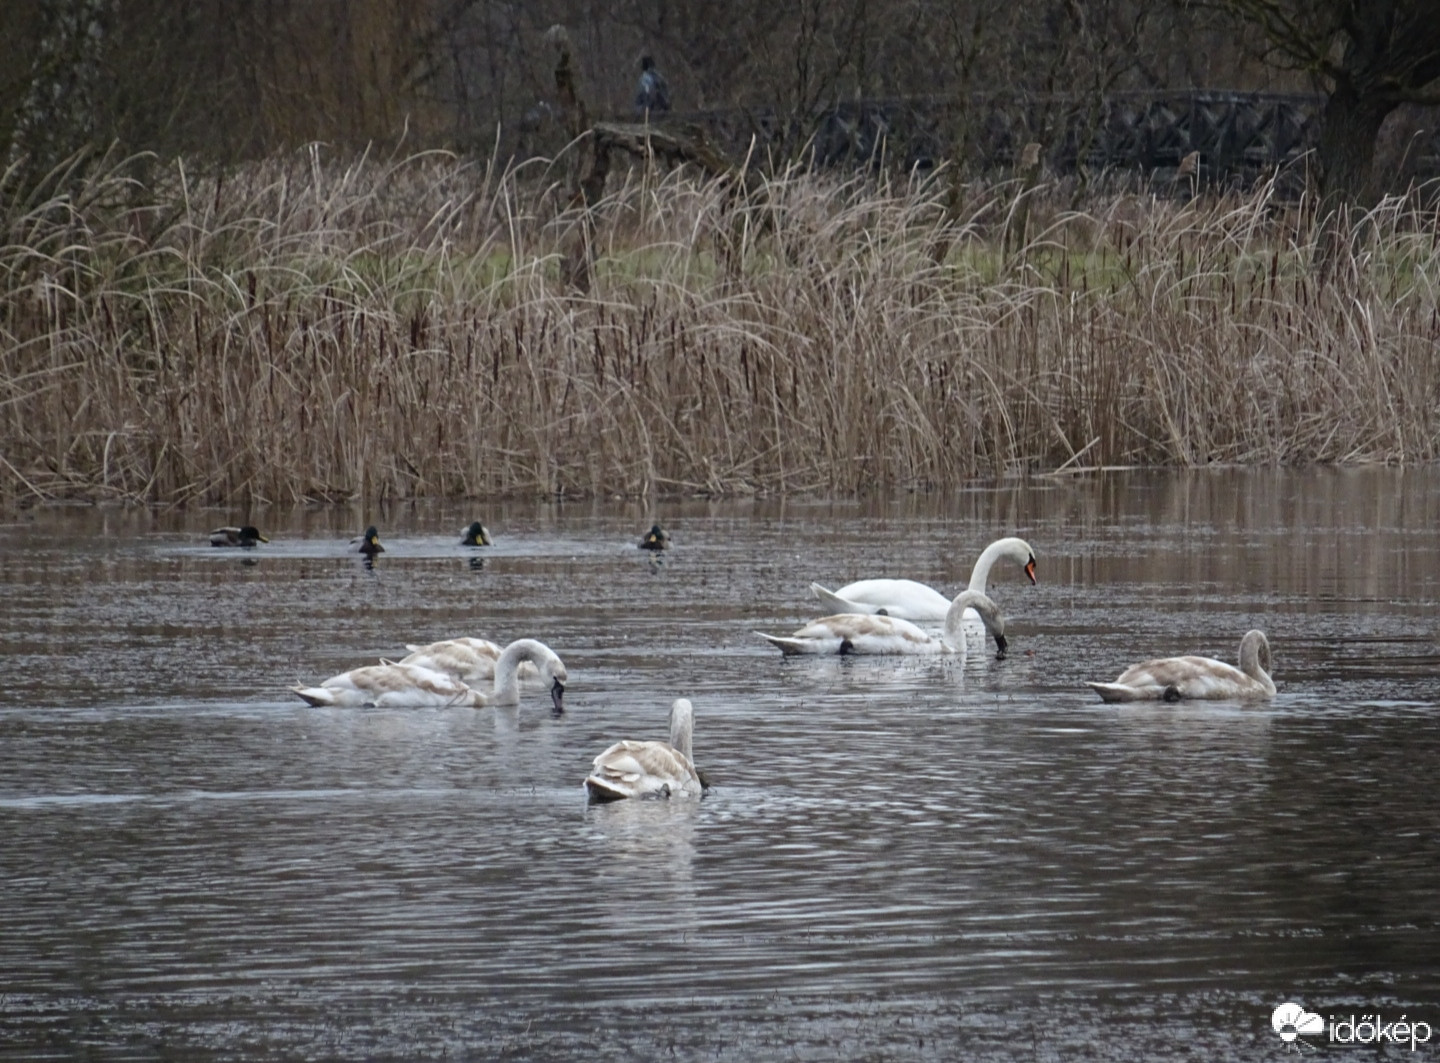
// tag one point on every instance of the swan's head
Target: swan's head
(552, 670)
(682, 714)
(476, 535)
(990, 616)
(1018, 550)
(657, 538)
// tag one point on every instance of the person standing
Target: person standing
(653, 95)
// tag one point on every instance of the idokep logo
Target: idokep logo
(1292, 1022)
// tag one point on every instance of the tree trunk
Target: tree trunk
(1346, 149)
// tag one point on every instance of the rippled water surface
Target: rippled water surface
(900, 858)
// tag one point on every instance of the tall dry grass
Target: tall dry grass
(308, 329)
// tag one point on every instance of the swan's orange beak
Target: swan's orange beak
(1030, 569)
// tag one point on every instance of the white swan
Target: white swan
(642, 769)
(399, 685)
(469, 660)
(915, 601)
(1174, 678)
(864, 633)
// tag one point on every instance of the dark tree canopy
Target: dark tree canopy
(233, 79)
(1368, 56)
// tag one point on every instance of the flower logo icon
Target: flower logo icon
(1291, 1020)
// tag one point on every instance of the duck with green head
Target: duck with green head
(247, 536)
(369, 543)
(476, 535)
(657, 538)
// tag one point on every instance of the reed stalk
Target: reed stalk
(310, 329)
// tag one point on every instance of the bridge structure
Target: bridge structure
(1238, 138)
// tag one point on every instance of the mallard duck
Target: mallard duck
(248, 535)
(476, 535)
(467, 659)
(914, 601)
(369, 543)
(1177, 678)
(865, 633)
(650, 769)
(657, 538)
(391, 684)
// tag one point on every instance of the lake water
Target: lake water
(900, 858)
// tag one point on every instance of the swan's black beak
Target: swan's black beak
(557, 697)
(1030, 569)
(1000, 646)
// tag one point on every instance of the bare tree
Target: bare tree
(1368, 56)
(54, 89)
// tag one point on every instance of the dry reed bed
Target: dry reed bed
(307, 330)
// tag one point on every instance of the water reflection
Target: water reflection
(902, 854)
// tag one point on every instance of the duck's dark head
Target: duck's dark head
(250, 535)
(657, 538)
(476, 535)
(370, 542)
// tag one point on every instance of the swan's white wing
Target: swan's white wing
(903, 598)
(836, 604)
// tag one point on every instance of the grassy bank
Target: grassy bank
(314, 330)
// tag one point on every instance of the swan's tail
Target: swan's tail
(320, 697)
(836, 604)
(1113, 691)
(788, 646)
(601, 790)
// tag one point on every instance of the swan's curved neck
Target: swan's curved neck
(682, 729)
(507, 668)
(955, 618)
(1255, 656)
(954, 633)
(980, 574)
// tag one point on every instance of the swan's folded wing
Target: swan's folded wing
(430, 681)
(455, 660)
(860, 633)
(903, 598)
(632, 759)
